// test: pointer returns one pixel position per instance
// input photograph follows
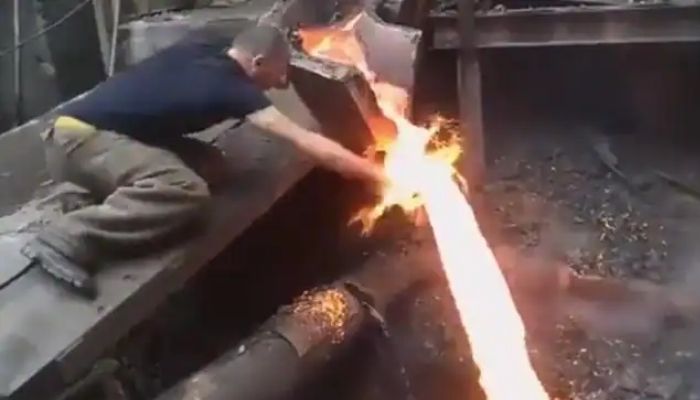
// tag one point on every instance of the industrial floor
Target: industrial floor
(561, 206)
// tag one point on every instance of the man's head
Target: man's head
(264, 54)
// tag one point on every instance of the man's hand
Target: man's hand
(325, 151)
(336, 157)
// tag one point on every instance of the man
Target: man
(113, 142)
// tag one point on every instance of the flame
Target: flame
(423, 175)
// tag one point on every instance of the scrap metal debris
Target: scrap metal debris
(615, 245)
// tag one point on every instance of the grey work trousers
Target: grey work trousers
(146, 195)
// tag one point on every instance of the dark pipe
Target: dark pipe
(285, 351)
(266, 367)
(301, 338)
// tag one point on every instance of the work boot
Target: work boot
(63, 269)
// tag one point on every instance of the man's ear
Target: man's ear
(258, 60)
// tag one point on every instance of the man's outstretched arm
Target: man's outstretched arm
(325, 151)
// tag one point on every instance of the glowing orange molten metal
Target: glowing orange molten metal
(426, 178)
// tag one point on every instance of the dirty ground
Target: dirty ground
(559, 204)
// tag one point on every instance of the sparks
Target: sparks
(326, 310)
(423, 178)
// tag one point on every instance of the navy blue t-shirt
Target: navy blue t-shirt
(185, 88)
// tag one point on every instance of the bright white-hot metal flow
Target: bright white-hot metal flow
(423, 177)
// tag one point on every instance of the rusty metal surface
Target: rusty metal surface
(574, 26)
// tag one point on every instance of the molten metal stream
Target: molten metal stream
(426, 178)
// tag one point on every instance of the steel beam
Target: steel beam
(571, 26)
(469, 83)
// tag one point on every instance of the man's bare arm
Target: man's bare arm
(323, 150)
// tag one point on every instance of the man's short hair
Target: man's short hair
(265, 40)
